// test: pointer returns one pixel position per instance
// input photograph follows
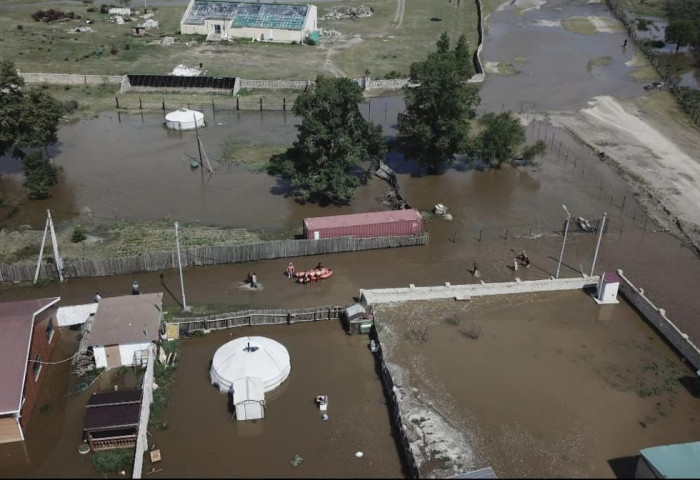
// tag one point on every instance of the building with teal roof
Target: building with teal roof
(267, 22)
(670, 461)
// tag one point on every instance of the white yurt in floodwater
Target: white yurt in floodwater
(254, 357)
(184, 119)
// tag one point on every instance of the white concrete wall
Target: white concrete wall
(100, 357)
(127, 351)
(75, 315)
(126, 354)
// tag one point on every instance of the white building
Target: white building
(123, 329)
(249, 398)
(268, 22)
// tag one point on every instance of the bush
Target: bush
(39, 175)
(114, 50)
(537, 149)
(69, 105)
(91, 10)
(127, 47)
(112, 461)
(644, 24)
(104, 9)
(20, 27)
(79, 234)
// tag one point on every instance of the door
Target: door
(217, 29)
(114, 358)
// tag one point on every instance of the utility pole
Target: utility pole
(179, 264)
(600, 235)
(59, 261)
(41, 250)
(566, 231)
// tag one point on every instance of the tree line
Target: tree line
(683, 27)
(337, 149)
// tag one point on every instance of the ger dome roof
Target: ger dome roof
(250, 357)
(184, 115)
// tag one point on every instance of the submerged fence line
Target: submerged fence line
(207, 255)
(250, 318)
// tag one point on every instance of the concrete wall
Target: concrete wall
(464, 292)
(127, 351)
(658, 319)
(72, 79)
(100, 357)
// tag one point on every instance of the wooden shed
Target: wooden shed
(112, 420)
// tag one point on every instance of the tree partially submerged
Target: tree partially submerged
(29, 121)
(503, 140)
(335, 147)
(439, 105)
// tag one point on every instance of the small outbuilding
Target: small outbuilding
(124, 327)
(112, 420)
(184, 119)
(249, 398)
(608, 285)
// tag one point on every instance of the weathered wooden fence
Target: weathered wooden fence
(249, 318)
(209, 255)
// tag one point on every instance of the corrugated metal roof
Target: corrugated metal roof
(675, 461)
(353, 219)
(127, 319)
(246, 14)
(16, 323)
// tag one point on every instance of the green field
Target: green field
(386, 42)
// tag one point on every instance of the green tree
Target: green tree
(501, 137)
(439, 105)
(335, 145)
(39, 174)
(682, 33)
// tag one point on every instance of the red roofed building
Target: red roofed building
(26, 341)
(394, 223)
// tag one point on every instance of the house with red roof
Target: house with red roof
(26, 342)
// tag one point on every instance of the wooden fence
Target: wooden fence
(209, 255)
(249, 318)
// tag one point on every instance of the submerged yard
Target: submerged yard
(538, 385)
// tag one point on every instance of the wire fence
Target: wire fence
(687, 98)
(220, 103)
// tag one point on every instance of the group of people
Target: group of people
(312, 275)
(252, 280)
(135, 290)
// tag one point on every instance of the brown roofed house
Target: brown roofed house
(26, 342)
(124, 328)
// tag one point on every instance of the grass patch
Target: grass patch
(45, 409)
(200, 310)
(598, 61)
(113, 461)
(521, 59)
(164, 377)
(254, 156)
(644, 71)
(501, 68)
(657, 378)
(644, 8)
(580, 25)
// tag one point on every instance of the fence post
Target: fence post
(237, 106)
(284, 104)
(116, 99)
(140, 104)
(163, 105)
(261, 107)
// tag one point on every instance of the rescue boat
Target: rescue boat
(313, 275)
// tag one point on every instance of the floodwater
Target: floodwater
(202, 440)
(131, 167)
(137, 170)
(552, 385)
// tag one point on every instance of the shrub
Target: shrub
(104, 9)
(20, 27)
(112, 461)
(127, 47)
(39, 175)
(79, 234)
(114, 50)
(69, 105)
(91, 10)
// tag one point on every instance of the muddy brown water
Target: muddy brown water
(137, 170)
(551, 385)
(203, 440)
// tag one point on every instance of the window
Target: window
(49, 329)
(36, 366)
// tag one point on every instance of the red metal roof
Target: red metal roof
(16, 325)
(611, 277)
(353, 219)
